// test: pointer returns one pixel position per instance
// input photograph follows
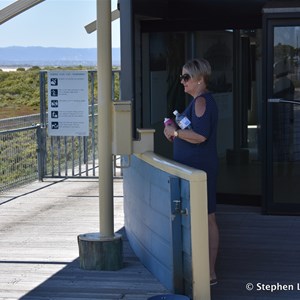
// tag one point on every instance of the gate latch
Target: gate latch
(178, 209)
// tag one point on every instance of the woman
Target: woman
(197, 147)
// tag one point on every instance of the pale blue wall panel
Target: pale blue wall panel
(148, 220)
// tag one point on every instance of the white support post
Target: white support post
(104, 67)
(103, 250)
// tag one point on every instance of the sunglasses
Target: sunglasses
(185, 77)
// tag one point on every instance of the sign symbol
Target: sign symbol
(54, 114)
(54, 103)
(54, 125)
(54, 92)
(53, 81)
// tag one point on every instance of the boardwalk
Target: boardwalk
(39, 224)
(257, 253)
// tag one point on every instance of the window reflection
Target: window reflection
(286, 116)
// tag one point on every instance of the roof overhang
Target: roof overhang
(16, 8)
(91, 27)
(174, 15)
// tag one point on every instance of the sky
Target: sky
(55, 23)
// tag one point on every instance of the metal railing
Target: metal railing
(18, 156)
(19, 122)
(68, 156)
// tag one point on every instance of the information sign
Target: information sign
(68, 113)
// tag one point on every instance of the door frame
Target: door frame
(272, 17)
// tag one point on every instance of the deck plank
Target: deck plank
(258, 249)
(39, 251)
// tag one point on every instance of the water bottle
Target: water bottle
(182, 121)
(169, 122)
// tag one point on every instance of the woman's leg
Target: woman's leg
(213, 233)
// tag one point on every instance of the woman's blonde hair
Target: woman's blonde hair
(198, 68)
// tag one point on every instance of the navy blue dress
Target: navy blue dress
(202, 156)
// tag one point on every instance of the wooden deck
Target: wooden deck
(39, 224)
(257, 252)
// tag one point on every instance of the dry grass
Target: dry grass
(17, 111)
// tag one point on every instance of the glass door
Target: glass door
(283, 118)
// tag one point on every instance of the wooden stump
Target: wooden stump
(97, 253)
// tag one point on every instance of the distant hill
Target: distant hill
(52, 56)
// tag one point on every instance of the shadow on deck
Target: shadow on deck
(130, 282)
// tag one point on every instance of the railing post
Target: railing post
(38, 150)
(41, 152)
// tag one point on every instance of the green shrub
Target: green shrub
(21, 89)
